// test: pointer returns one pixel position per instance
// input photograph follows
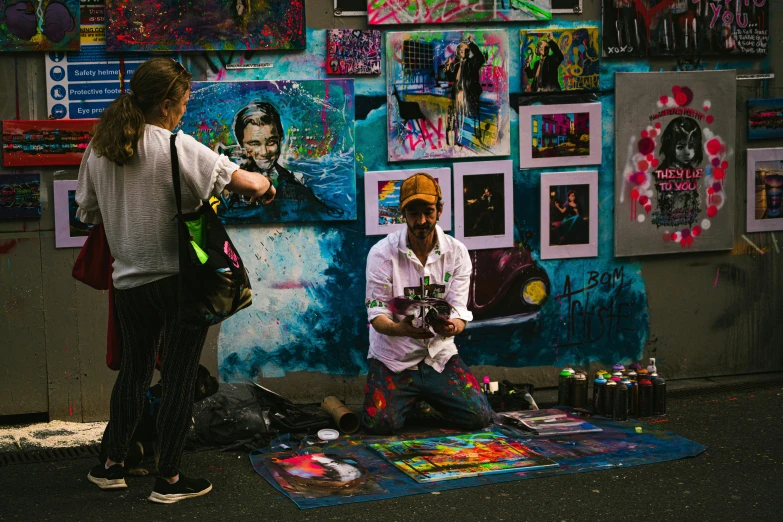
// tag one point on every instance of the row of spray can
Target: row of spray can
(634, 391)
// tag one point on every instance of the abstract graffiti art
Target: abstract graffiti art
(547, 422)
(484, 204)
(559, 59)
(569, 215)
(42, 25)
(395, 12)
(297, 133)
(352, 51)
(20, 196)
(69, 231)
(447, 94)
(765, 119)
(460, 456)
(560, 135)
(685, 27)
(765, 190)
(206, 25)
(382, 199)
(675, 162)
(45, 142)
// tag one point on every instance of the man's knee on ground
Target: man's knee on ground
(475, 420)
(380, 423)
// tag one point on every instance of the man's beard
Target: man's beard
(421, 232)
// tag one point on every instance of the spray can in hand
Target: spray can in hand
(659, 396)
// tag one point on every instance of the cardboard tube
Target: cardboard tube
(346, 420)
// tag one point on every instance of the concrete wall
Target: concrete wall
(709, 314)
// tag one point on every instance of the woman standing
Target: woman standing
(125, 182)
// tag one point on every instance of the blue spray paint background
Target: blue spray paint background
(308, 311)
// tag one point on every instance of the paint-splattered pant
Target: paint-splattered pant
(389, 397)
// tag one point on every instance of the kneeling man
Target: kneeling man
(408, 363)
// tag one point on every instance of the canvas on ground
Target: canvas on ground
(447, 94)
(569, 215)
(382, 199)
(560, 135)
(299, 134)
(484, 204)
(765, 190)
(674, 176)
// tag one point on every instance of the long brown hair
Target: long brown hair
(122, 123)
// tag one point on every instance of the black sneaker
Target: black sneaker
(112, 478)
(165, 493)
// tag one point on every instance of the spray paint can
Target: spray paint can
(645, 398)
(627, 384)
(651, 368)
(631, 375)
(634, 366)
(485, 387)
(618, 368)
(621, 403)
(659, 396)
(577, 391)
(641, 374)
(608, 399)
(562, 387)
(598, 391)
(633, 391)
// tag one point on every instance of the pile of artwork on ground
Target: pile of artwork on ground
(632, 390)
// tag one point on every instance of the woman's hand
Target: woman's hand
(266, 197)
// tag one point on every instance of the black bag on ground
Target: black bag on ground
(213, 282)
(232, 414)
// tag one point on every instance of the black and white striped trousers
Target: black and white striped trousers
(147, 320)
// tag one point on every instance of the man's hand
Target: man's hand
(451, 328)
(405, 328)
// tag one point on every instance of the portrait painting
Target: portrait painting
(353, 51)
(484, 204)
(558, 59)
(765, 190)
(765, 119)
(447, 94)
(43, 25)
(394, 12)
(569, 215)
(560, 135)
(20, 195)
(299, 134)
(320, 475)
(674, 175)
(382, 199)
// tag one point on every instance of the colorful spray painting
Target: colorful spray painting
(569, 215)
(765, 119)
(685, 27)
(20, 196)
(206, 25)
(484, 205)
(460, 456)
(675, 162)
(45, 142)
(765, 190)
(69, 231)
(382, 199)
(395, 12)
(447, 94)
(297, 133)
(40, 25)
(353, 51)
(559, 59)
(547, 422)
(560, 135)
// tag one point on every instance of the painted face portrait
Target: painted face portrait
(262, 144)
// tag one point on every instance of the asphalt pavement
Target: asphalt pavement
(738, 478)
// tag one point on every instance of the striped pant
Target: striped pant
(147, 320)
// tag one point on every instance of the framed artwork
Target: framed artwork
(484, 204)
(382, 199)
(353, 51)
(48, 25)
(395, 12)
(299, 134)
(765, 190)
(765, 119)
(569, 214)
(350, 7)
(20, 196)
(558, 59)
(319, 475)
(207, 25)
(68, 230)
(447, 94)
(566, 6)
(560, 135)
(45, 142)
(460, 456)
(649, 28)
(674, 171)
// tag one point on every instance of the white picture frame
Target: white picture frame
(471, 225)
(64, 236)
(531, 134)
(561, 240)
(372, 197)
(759, 194)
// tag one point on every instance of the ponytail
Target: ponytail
(119, 129)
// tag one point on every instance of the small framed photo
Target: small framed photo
(350, 7)
(560, 135)
(765, 119)
(569, 215)
(382, 199)
(484, 204)
(566, 6)
(765, 190)
(68, 230)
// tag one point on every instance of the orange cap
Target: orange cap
(420, 187)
